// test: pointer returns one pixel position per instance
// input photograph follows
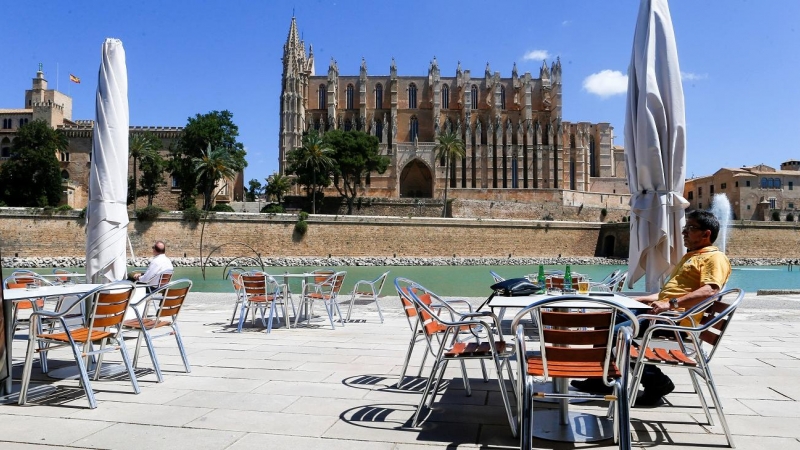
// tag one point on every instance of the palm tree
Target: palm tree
(139, 145)
(316, 155)
(449, 146)
(278, 185)
(210, 167)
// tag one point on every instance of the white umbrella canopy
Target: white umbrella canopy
(107, 211)
(655, 147)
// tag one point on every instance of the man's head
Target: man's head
(159, 248)
(701, 229)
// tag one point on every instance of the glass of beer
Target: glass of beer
(583, 286)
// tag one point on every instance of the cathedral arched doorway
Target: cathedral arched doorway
(416, 180)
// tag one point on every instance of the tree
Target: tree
(210, 167)
(449, 146)
(32, 176)
(153, 166)
(314, 158)
(138, 145)
(278, 185)
(356, 154)
(215, 130)
(254, 190)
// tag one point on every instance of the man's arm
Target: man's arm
(689, 300)
(152, 271)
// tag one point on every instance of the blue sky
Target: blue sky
(740, 59)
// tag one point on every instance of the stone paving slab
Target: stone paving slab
(313, 387)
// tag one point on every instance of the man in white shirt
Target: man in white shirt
(159, 264)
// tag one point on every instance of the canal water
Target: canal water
(474, 281)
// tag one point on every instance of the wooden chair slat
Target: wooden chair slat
(573, 355)
(576, 337)
(576, 320)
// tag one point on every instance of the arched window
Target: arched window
(349, 97)
(64, 175)
(502, 97)
(592, 157)
(474, 97)
(770, 183)
(379, 131)
(413, 128)
(348, 125)
(378, 96)
(323, 96)
(777, 183)
(64, 156)
(5, 149)
(763, 183)
(412, 96)
(445, 97)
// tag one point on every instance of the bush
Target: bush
(192, 214)
(64, 208)
(273, 208)
(776, 216)
(303, 216)
(148, 213)
(82, 214)
(603, 212)
(790, 217)
(222, 207)
(301, 227)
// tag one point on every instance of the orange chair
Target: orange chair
(261, 292)
(325, 289)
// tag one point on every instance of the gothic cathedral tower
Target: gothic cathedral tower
(297, 67)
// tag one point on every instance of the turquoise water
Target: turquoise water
(474, 281)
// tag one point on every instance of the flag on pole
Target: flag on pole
(74, 79)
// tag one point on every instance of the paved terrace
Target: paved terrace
(317, 388)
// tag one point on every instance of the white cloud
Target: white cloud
(565, 23)
(606, 83)
(536, 55)
(689, 76)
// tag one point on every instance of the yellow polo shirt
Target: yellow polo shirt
(705, 266)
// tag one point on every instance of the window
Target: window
(323, 96)
(378, 95)
(6, 124)
(791, 185)
(772, 202)
(770, 183)
(413, 128)
(176, 182)
(412, 96)
(711, 190)
(5, 152)
(690, 196)
(64, 175)
(64, 156)
(748, 207)
(348, 125)
(790, 205)
(737, 184)
(379, 131)
(502, 97)
(777, 183)
(700, 192)
(445, 97)
(763, 183)
(723, 186)
(747, 183)
(474, 96)
(349, 97)
(699, 206)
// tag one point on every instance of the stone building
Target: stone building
(55, 108)
(516, 140)
(755, 192)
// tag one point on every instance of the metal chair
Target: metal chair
(328, 292)
(159, 309)
(436, 303)
(451, 348)
(236, 279)
(698, 333)
(261, 292)
(106, 312)
(574, 344)
(368, 290)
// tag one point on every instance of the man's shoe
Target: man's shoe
(653, 395)
(592, 386)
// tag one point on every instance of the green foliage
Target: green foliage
(64, 208)
(144, 150)
(32, 176)
(273, 208)
(148, 213)
(355, 154)
(253, 190)
(603, 212)
(222, 207)
(82, 214)
(790, 217)
(448, 148)
(312, 163)
(303, 215)
(214, 130)
(776, 215)
(192, 214)
(277, 186)
(301, 227)
(212, 166)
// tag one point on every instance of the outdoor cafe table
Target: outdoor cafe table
(287, 293)
(563, 425)
(10, 296)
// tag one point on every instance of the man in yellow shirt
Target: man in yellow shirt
(701, 273)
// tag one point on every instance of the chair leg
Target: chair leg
(410, 350)
(693, 375)
(438, 384)
(504, 394)
(153, 357)
(378, 305)
(526, 419)
(352, 301)
(465, 378)
(26, 371)
(427, 390)
(484, 372)
(84, 376)
(712, 387)
(181, 348)
(127, 361)
(623, 420)
(235, 308)
(242, 315)
(328, 309)
(511, 377)
(271, 316)
(99, 363)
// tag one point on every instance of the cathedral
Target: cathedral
(515, 138)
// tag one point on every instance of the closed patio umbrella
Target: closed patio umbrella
(655, 147)
(107, 212)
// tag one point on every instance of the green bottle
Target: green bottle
(568, 279)
(540, 280)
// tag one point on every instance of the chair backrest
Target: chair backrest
(164, 278)
(258, 283)
(717, 313)
(322, 275)
(381, 280)
(421, 300)
(108, 304)
(575, 337)
(404, 286)
(556, 282)
(338, 281)
(23, 279)
(172, 297)
(68, 275)
(236, 279)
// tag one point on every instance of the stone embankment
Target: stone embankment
(15, 263)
